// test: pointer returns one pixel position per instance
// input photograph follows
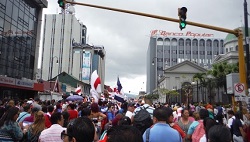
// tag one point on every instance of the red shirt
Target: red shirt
(47, 121)
(72, 114)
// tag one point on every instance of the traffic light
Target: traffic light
(61, 3)
(182, 13)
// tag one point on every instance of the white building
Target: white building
(171, 48)
(57, 52)
(178, 74)
(65, 49)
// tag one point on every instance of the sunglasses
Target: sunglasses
(63, 135)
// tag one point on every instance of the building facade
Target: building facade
(60, 31)
(167, 49)
(65, 49)
(20, 28)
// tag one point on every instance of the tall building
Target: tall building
(60, 31)
(20, 28)
(65, 49)
(167, 49)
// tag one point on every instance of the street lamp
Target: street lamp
(156, 79)
(153, 61)
(51, 67)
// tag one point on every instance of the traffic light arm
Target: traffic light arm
(158, 17)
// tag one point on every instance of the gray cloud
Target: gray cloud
(126, 37)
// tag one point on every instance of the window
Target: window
(195, 52)
(209, 52)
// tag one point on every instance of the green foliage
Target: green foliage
(165, 91)
(152, 96)
(220, 70)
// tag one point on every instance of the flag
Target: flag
(78, 90)
(119, 86)
(118, 93)
(56, 85)
(95, 86)
(96, 82)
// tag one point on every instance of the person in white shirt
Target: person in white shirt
(231, 118)
(131, 108)
(53, 134)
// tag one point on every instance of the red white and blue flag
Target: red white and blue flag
(118, 92)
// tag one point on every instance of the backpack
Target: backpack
(142, 119)
(142, 114)
(198, 132)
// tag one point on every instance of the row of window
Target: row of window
(188, 45)
(159, 51)
(188, 42)
(167, 60)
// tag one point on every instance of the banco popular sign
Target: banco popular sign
(17, 82)
(188, 34)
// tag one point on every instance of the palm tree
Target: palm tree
(201, 79)
(219, 72)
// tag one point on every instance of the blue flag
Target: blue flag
(119, 86)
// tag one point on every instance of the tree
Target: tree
(152, 96)
(219, 72)
(169, 93)
(201, 79)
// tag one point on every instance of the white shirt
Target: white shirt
(230, 121)
(129, 114)
(203, 138)
(179, 111)
(52, 134)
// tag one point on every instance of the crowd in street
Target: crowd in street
(33, 120)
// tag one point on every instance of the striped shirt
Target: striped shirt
(52, 134)
(149, 109)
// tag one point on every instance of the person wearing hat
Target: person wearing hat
(131, 108)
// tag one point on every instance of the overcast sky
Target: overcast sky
(125, 37)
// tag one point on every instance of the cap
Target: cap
(131, 104)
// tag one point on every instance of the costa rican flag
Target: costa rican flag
(78, 90)
(95, 86)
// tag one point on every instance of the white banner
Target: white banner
(7, 80)
(23, 83)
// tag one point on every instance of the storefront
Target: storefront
(12, 88)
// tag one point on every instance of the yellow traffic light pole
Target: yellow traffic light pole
(236, 32)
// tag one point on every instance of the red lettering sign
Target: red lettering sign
(188, 34)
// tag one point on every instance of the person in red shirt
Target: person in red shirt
(72, 112)
(46, 117)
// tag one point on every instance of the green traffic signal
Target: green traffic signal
(183, 24)
(182, 13)
(61, 3)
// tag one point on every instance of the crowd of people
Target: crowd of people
(33, 120)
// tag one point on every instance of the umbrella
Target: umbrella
(74, 98)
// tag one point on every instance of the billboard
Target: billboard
(231, 79)
(86, 70)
